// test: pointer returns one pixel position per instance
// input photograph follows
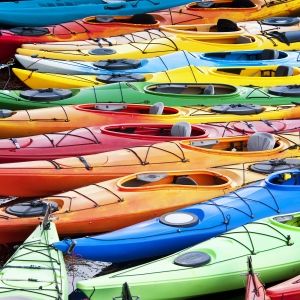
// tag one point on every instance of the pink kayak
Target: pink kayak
(91, 140)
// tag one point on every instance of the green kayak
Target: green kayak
(217, 265)
(36, 270)
(150, 93)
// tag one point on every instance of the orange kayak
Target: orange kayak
(117, 203)
(19, 179)
(235, 10)
(61, 118)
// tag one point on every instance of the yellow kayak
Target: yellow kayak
(262, 76)
(289, 40)
(236, 10)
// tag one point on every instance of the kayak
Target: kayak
(217, 30)
(92, 140)
(36, 270)
(235, 10)
(201, 31)
(32, 13)
(217, 265)
(262, 76)
(162, 63)
(96, 28)
(288, 290)
(289, 40)
(61, 118)
(177, 230)
(150, 93)
(19, 179)
(117, 203)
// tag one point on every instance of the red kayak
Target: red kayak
(91, 140)
(287, 290)
(80, 30)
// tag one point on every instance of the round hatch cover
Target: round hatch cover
(46, 94)
(179, 219)
(31, 209)
(192, 259)
(274, 165)
(238, 109)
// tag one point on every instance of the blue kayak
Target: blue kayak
(279, 193)
(49, 12)
(162, 63)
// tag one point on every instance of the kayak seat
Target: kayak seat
(156, 109)
(243, 40)
(185, 180)
(209, 90)
(242, 4)
(205, 144)
(142, 19)
(283, 71)
(151, 177)
(111, 107)
(225, 25)
(261, 141)
(181, 129)
(269, 54)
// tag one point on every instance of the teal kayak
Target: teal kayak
(179, 94)
(217, 265)
(36, 270)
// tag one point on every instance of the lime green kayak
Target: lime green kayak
(150, 93)
(217, 265)
(36, 270)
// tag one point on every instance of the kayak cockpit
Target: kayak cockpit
(258, 142)
(224, 26)
(266, 54)
(155, 109)
(288, 179)
(242, 4)
(191, 89)
(159, 179)
(146, 131)
(290, 220)
(142, 19)
(268, 71)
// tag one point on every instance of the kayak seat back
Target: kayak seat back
(261, 141)
(268, 54)
(209, 90)
(225, 25)
(283, 71)
(185, 180)
(243, 40)
(181, 129)
(111, 107)
(229, 4)
(156, 109)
